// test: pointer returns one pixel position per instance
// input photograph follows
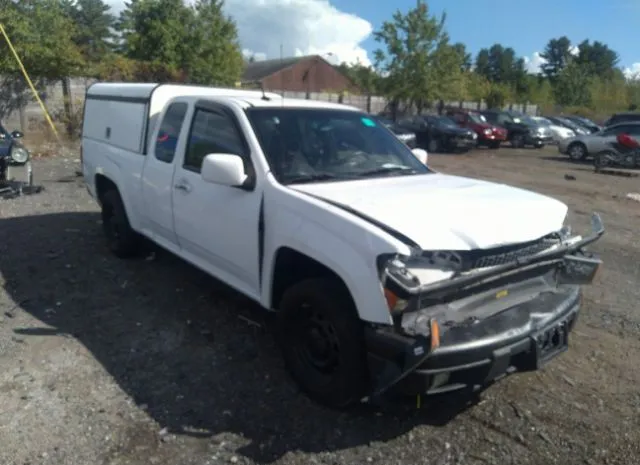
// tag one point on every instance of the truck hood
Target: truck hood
(444, 212)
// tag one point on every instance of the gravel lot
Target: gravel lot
(151, 362)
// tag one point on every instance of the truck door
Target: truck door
(157, 177)
(217, 226)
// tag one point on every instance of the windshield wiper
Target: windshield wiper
(386, 170)
(304, 178)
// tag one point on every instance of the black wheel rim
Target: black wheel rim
(316, 346)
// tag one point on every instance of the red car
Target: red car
(488, 135)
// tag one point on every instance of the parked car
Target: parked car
(522, 130)
(12, 150)
(489, 135)
(401, 133)
(623, 118)
(558, 132)
(439, 133)
(584, 146)
(585, 123)
(262, 193)
(561, 121)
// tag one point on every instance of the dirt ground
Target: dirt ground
(151, 362)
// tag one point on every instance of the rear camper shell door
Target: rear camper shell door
(117, 114)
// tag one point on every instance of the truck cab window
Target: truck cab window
(169, 131)
(212, 132)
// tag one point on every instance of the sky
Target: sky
(342, 30)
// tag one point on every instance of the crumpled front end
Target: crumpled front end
(465, 318)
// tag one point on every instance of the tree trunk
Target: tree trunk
(68, 109)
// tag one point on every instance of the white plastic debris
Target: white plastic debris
(634, 196)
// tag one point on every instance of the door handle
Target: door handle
(183, 186)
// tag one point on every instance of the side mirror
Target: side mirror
(17, 135)
(421, 155)
(224, 169)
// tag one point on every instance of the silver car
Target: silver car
(583, 146)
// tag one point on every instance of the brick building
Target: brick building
(309, 74)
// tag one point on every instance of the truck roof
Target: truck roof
(157, 95)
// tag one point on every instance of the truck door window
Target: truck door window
(213, 132)
(169, 131)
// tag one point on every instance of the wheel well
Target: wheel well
(577, 143)
(104, 185)
(292, 267)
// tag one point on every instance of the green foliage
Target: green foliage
(43, 38)
(557, 54)
(364, 78)
(419, 62)
(572, 86)
(215, 57)
(198, 40)
(94, 24)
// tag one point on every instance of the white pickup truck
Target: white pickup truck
(384, 274)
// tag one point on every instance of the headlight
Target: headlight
(19, 154)
(402, 275)
(487, 132)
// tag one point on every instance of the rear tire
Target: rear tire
(577, 151)
(517, 141)
(433, 146)
(601, 160)
(322, 342)
(122, 240)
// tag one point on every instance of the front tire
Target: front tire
(122, 240)
(322, 341)
(601, 159)
(493, 145)
(517, 141)
(577, 151)
(433, 146)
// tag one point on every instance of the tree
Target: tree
(420, 64)
(477, 87)
(557, 55)
(609, 94)
(216, 57)
(43, 37)
(364, 77)
(200, 40)
(572, 86)
(483, 66)
(540, 92)
(157, 31)
(499, 64)
(597, 58)
(94, 33)
(465, 57)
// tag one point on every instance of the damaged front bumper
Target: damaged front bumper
(515, 316)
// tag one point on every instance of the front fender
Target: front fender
(337, 239)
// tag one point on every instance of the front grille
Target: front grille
(496, 257)
(479, 258)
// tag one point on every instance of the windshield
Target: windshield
(526, 119)
(445, 121)
(311, 144)
(543, 121)
(570, 123)
(477, 118)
